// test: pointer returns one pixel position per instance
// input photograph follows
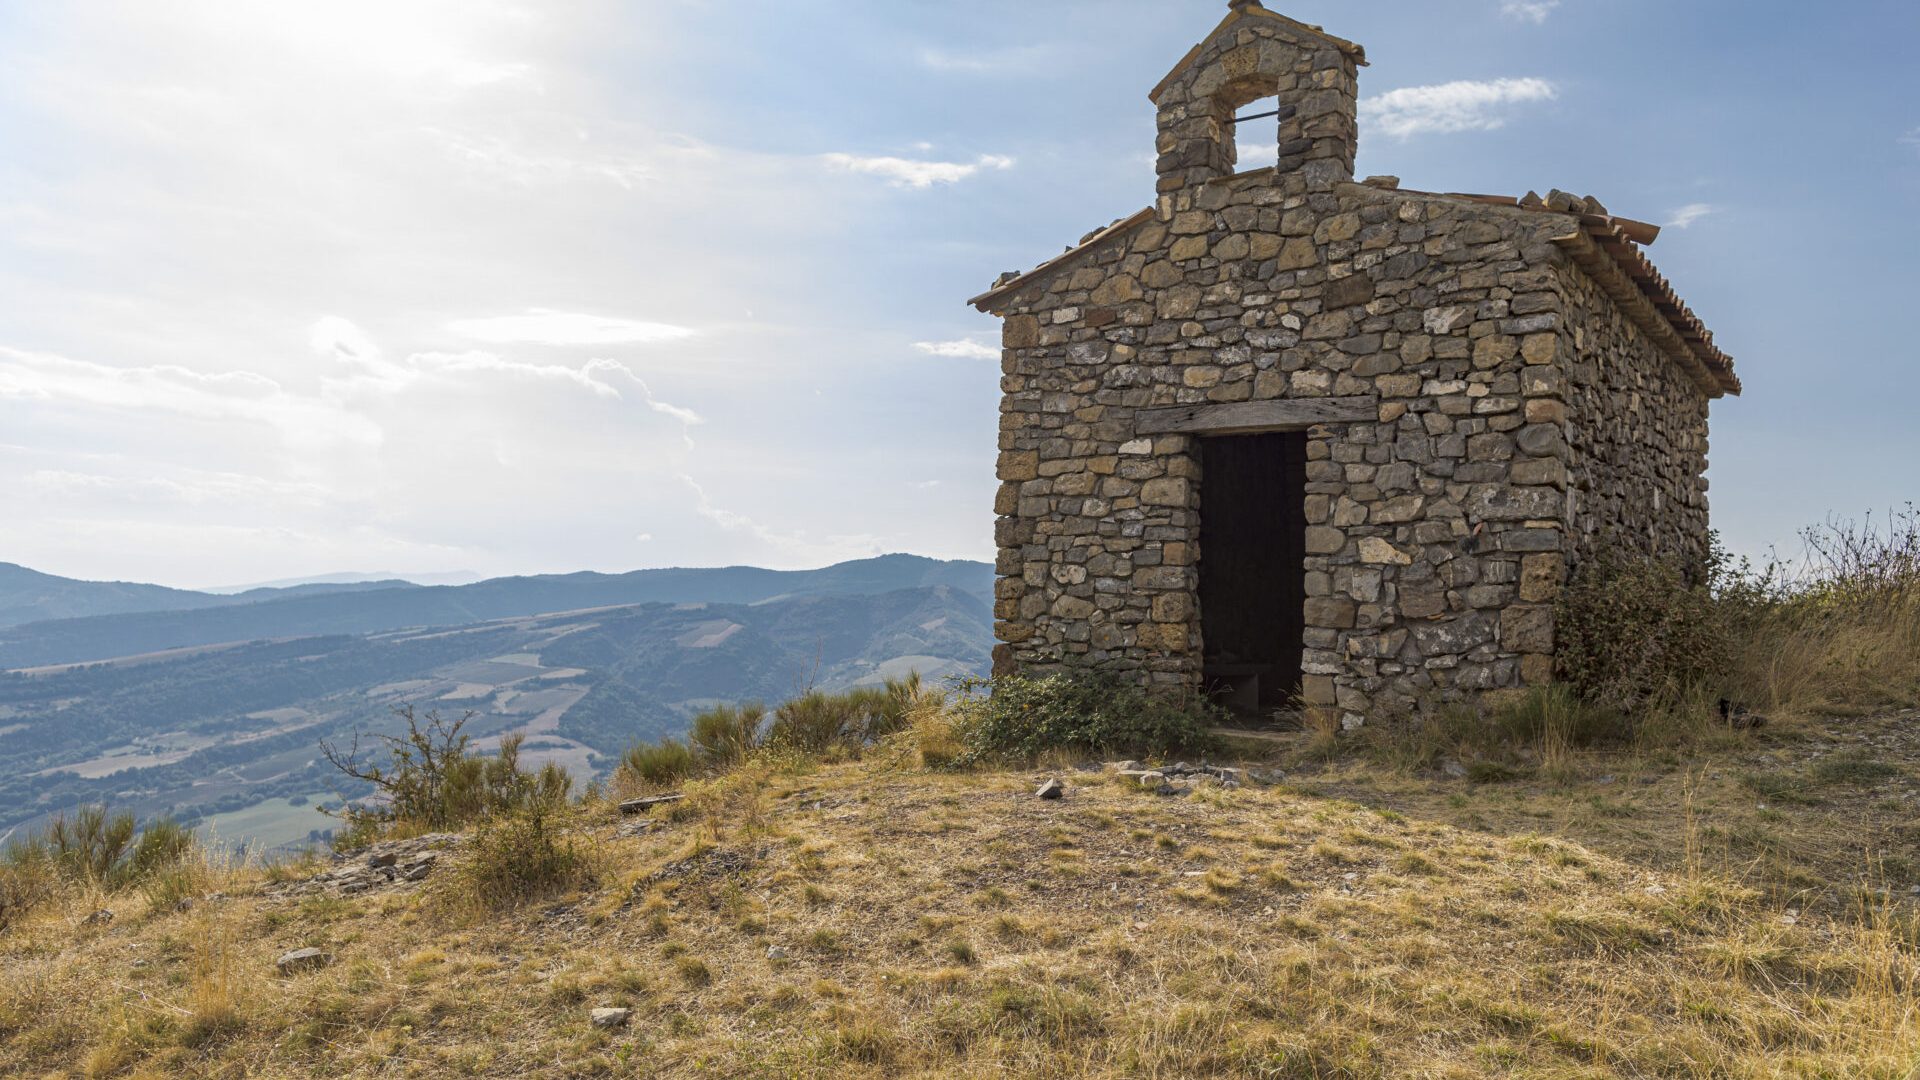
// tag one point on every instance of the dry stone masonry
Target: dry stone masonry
(1484, 390)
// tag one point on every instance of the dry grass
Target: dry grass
(1359, 922)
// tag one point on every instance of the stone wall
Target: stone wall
(1481, 375)
(1638, 432)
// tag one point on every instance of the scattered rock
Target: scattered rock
(1052, 789)
(611, 1018)
(388, 864)
(775, 952)
(646, 803)
(297, 960)
(1128, 765)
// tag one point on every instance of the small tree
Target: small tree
(430, 781)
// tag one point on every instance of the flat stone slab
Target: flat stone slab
(297, 960)
(642, 805)
(611, 1018)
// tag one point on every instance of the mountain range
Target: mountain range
(211, 708)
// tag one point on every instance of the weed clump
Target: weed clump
(1019, 717)
(1838, 633)
(527, 854)
(816, 724)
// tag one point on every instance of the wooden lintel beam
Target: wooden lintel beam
(1250, 417)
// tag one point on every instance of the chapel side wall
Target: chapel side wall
(1637, 434)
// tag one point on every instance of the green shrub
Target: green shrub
(724, 735)
(523, 855)
(162, 845)
(93, 846)
(817, 722)
(429, 780)
(1017, 718)
(813, 722)
(27, 880)
(668, 761)
(88, 845)
(1631, 630)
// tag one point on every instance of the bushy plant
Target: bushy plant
(1838, 632)
(93, 846)
(89, 844)
(817, 722)
(657, 763)
(1630, 630)
(724, 735)
(27, 880)
(1018, 717)
(430, 780)
(522, 855)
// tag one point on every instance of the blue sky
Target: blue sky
(302, 288)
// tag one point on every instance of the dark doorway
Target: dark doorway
(1252, 579)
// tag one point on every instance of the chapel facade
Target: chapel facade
(1297, 439)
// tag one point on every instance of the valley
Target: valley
(226, 735)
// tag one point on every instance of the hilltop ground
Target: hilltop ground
(1742, 909)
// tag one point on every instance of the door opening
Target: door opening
(1252, 574)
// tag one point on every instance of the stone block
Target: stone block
(1298, 254)
(1333, 612)
(1019, 465)
(1541, 576)
(1324, 540)
(1166, 491)
(1382, 552)
(1527, 629)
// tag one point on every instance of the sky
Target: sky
(302, 288)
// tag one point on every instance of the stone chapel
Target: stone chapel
(1296, 439)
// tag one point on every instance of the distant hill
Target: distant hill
(28, 596)
(146, 625)
(229, 735)
(384, 577)
(31, 596)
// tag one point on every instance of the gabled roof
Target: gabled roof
(1605, 246)
(1609, 249)
(1251, 9)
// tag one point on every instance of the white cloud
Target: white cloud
(980, 63)
(195, 185)
(963, 349)
(902, 172)
(1689, 214)
(1911, 138)
(500, 157)
(1446, 108)
(1533, 11)
(548, 327)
